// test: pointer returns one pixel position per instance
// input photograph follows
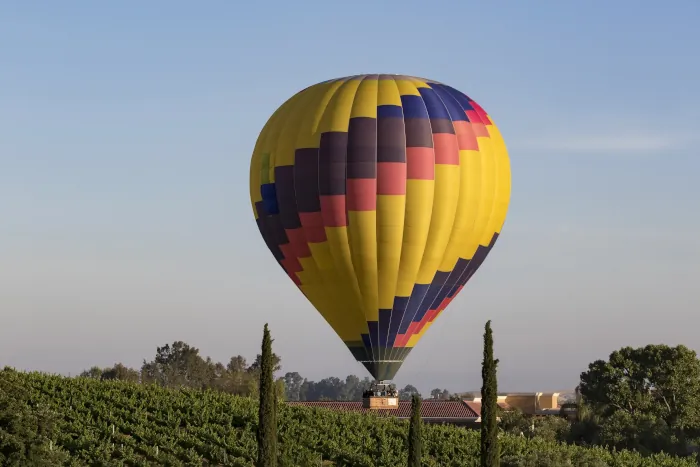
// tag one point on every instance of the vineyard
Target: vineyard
(52, 420)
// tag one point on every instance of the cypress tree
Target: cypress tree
(267, 411)
(415, 435)
(489, 404)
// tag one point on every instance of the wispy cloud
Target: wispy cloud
(595, 143)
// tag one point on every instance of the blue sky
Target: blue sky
(125, 136)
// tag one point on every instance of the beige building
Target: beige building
(431, 411)
(465, 412)
(531, 403)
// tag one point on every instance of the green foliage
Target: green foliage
(415, 434)
(267, 408)
(121, 423)
(644, 398)
(643, 433)
(656, 379)
(551, 428)
(25, 430)
(489, 403)
(179, 365)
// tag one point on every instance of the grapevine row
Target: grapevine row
(114, 423)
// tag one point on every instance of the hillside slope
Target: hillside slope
(52, 420)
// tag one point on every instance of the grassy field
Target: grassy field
(52, 420)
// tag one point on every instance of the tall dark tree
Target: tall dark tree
(415, 434)
(489, 404)
(267, 412)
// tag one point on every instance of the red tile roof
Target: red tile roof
(476, 406)
(429, 408)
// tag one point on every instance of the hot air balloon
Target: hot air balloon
(380, 196)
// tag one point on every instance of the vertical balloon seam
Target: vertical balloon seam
(367, 311)
(449, 232)
(274, 219)
(314, 119)
(508, 177)
(403, 232)
(302, 120)
(253, 169)
(484, 154)
(289, 262)
(411, 89)
(439, 235)
(502, 196)
(454, 239)
(425, 245)
(266, 206)
(482, 250)
(387, 343)
(413, 294)
(329, 108)
(380, 328)
(434, 306)
(455, 272)
(408, 232)
(471, 263)
(490, 227)
(334, 246)
(356, 263)
(492, 149)
(485, 225)
(440, 227)
(279, 130)
(285, 153)
(376, 307)
(377, 213)
(447, 244)
(255, 163)
(289, 136)
(445, 204)
(306, 125)
(350, 312)
(484, 149)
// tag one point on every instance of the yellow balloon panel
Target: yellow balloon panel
(380, 196)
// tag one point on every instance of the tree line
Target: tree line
(645, 399)
(52, 420)
(181, 365)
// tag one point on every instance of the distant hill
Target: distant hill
(54, 421)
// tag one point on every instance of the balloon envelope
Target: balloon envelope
(380, 196)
